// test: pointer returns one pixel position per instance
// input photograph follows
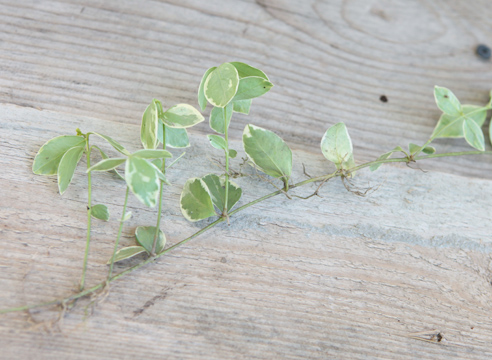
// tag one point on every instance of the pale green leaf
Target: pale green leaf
(447, 101)
(142, 179)
(196, 202)
(202, 100)
(104, 156)
(107, 164)
(126, 253)
(221, 85)
(152, 154)
(150, 125)
(49, 155)
(252, 87)
(216, 187)
(385, 156)
(127, 216)
(116, 145)
(336, 145)
(67, 166)
(452, 126)
(217, 142)
(473, 134)
(220, 118)
(175, 137)
(413, 148)
(242, 106)
(160, 174)
(145, 236)
(429, 150)
(100, 212)
(181, 116)
(245, 70)
(268, 152)
(232, 153)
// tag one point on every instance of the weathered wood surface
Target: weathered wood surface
(340, 277)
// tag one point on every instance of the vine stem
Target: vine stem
(326, 177)
(110, 272)
(89, 213)
(161, 186)
(226, 136)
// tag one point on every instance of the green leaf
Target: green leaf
(413, 148)
(181, 116)
(202, 100)
(104, 156)
(221, 85)
(107, 164)
(127, 216)
(232, 153)
(152, 154)
(160, 174)
(126, 253)
(490, 133)
(50, 154)
(386, 156)
(67, 166)
(245, 70)
(268, 152)
(337, 146)
(142, 179)
(216, 188)
(217, 116)
(100, 212)
(217, 142)
(196, 202)
(429, 150)
(447, 101)
(145, 237)
(116, 145)
(242, 106)
(452, 126)
(473, 134)
(150, 125)
(252, 87)
(175, 137)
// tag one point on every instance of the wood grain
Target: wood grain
(333, 277)
(338, 277)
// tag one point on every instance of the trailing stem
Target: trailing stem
(89, 209)
(161, 186)
(110, 272)
(322, 178)
(226, 136)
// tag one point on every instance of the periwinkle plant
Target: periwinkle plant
(229, 88)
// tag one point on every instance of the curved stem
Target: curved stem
(89, 215)
(226, 135)
(221, 219)
(161, 186)
(110, 272)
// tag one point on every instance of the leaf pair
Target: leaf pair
(234, 82)
(144, 236)
(336, 146)
(141, 175)
(458, 120)
(199, 196)
(175, 120)
(60, 156)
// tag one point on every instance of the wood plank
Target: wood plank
(330, 60)
(333, 277)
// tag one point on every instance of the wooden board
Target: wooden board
(341, 276)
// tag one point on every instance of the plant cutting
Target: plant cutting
(230, 88)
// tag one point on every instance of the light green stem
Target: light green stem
(161, 186)
(226, 136)
(221, 219)
(89, 215)
(110, 272)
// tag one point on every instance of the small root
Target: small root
(348, 184)
(416, 168)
